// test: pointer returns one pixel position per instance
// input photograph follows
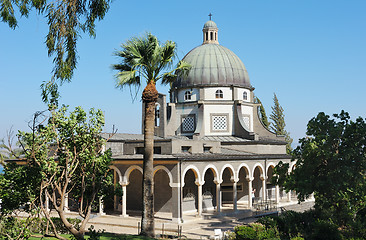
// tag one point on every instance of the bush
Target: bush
(229, 235)
(12, 227)
(294, 225)
(323, 228)
(245, 233)
(256, 231)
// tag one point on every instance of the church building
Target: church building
(211, 148)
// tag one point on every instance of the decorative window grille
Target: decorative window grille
(245, 96)
(219, 123)
(219, 94)
(187, 95)
(246, 121)
(188, 124)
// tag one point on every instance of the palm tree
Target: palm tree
(145, 58)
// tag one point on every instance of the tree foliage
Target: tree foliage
(65, 158)
(331, 163)
(66, 20)
(278, 123)
(262, 113)
(145, 57)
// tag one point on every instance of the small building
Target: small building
(211, 147)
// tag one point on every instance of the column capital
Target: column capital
(199, 183)
(249, 179)
(217, 182)
(263, 178)
(124, 184)
(235, 180)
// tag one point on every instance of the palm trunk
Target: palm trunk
(149, 97)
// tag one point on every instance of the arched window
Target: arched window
(245, 96)
(187, 95)
(157, 115)
(219, 94)
(211, 36)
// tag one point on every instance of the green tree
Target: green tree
(18, 194)
(331, 163)
(65, 157)
(66, 20)
(146, 58)
(262, 113)
(278, 123)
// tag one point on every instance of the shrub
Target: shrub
(297, 238)
(245, 233)
(323, 228)
(270, 233)
(12, 228)
(256, 231)
(229, 235)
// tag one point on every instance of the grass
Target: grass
(104, 236)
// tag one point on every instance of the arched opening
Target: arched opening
(271, 189)
(162, 192)
(219, 94)
(227, 186)
(134, 191)
(187, 95)
(243, 187)
(157, 115)
(245, 96)
(190, 192)
(257, 184)
(211, 33)
(209, 190)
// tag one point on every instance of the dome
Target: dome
(213, 65)
(210, 24)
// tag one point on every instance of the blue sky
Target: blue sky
(311, 53)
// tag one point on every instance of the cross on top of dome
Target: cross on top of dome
(210, 31)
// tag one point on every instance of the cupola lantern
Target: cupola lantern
(210, 32)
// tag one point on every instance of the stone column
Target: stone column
(124, 199)
(250, 189)
(277, 194)
(199, 199)
(101, 207)
(218, 197)
(235, 196)
(176, 203)
(264, 187)
(289, 196)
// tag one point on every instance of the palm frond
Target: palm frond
(181, 70)
(147, 57)
(127, 78)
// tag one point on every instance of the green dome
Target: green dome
(210, 24)
(213, 65)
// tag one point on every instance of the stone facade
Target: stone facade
(210, 145)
